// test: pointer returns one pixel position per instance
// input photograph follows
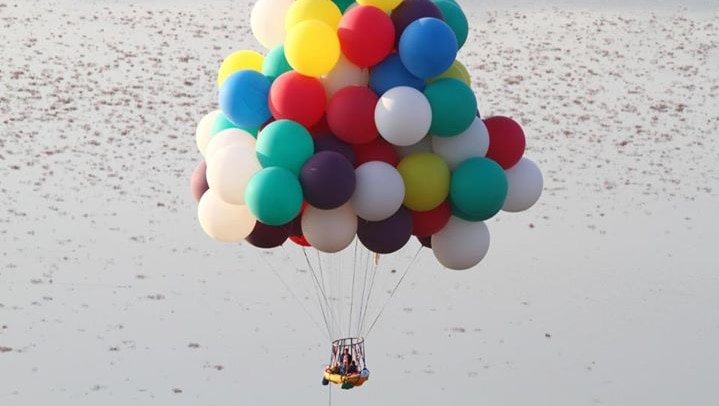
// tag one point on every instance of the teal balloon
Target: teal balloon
(343, 4)
(453, 104)
(284, 143)
(478, 188)
(456, 19)
(275, 63)
(221, 123)
(274, 196)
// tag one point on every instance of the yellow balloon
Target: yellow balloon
(312, 48)
(239, 60)
(426, 180)
(456, 71)
(321, 10)
(385, 5)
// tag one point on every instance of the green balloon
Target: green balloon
(477, 189)
(343, 4)
(275, 63)
(222, 123)
(454, 106)
(455, 18)
(284, 143)
(274, 196)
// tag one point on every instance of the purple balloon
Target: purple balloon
(386, 236)
(328, 142)
(328, 180)
(412, 10)
(198, 181)
(265, 236)
(426, 241)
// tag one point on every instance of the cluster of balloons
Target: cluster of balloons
(359, 122)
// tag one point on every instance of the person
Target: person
(352, 368)
(345, 366)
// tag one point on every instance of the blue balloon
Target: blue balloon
(244, 98)
(392, 73)
(428, 47)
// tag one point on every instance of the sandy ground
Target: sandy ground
(604, 293)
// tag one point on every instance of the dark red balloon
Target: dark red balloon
(350, 114)
(321, 128)
(299, 98)
(366, 35)
(506, 141)
(300, 240)
(410, 11)
(377, 150)
(265, 236)
(425, 241)
(426, 223)
(386, 236)
(198, 181)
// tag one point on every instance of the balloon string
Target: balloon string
(320, 294)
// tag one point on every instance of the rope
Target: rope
(320, 295)
(352, 293)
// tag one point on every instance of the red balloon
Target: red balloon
(299, 98)
(300, 240)
(350, 114)
(377, 150)
(426, 223)
(366, 35)
(198, 181)
(506, 141)
(321, 128)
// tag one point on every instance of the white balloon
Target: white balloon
(329, 230)
(424, 145)
(229, 171)
(203, 133)
(461, 244)
(473, 142)
(344, 74)
(379, 191)
(223, 221)
(267, 21)
(525, 183)
(227, 138)
(403, 115)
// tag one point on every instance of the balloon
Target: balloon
(321, 128)
(391, 73)
(525, 186)
(237, 61)
(426, 223)
(312, 48)
(264, 236)
(403, 116)
(461, 244)
(229, 137)
(455, 18)
(425, 241)
(299, 98)
(377, 150)
(343, 4)
(423, 145)
(412, 10)
(268, 21)
(329, 230)
(223, 221)
(386, 236)
(286, 144)
(477, 189)
(384, 5)
(426, 181)
(454, 107)
(456, 71)
(366, 35)
(329, 142)
(300, 240)
(229, 170)
(221, 123)
(379, 191)
(428, 47)
(344, 74)
(274, 196)
(198, 181)
(243, 98)
(506, 141)
(351, 115)
(328, 180)
(318, 10)
(473, 142)
(275, 63)
(203, 131)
